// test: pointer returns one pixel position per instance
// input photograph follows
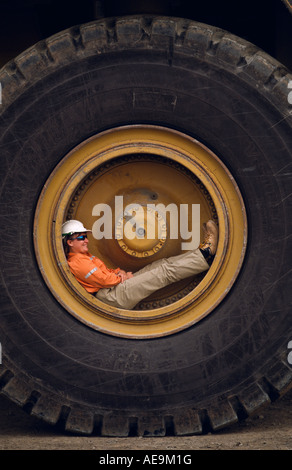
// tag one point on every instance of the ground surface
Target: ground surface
(269, 429)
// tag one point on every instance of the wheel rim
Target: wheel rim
(143, 166)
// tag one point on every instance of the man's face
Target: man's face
(77, 244)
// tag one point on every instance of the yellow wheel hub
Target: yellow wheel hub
(118, 184)
(146, 236)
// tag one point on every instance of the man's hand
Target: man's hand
(124, 275)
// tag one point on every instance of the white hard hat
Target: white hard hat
(73, 226)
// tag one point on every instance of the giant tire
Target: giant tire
(226, 94)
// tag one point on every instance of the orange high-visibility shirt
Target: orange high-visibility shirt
(91, 272)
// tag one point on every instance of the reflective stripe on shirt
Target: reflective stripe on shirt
(90, 272)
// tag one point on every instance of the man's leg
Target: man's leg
(153, 277)
(163, 272)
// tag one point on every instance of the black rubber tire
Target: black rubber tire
(227, 94)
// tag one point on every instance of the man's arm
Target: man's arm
(92, 273)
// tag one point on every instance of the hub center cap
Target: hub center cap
(141, 231)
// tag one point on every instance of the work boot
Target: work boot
(209, 246)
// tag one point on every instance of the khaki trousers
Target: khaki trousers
(152, 277)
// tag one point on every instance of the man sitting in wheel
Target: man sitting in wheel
(123, 289)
